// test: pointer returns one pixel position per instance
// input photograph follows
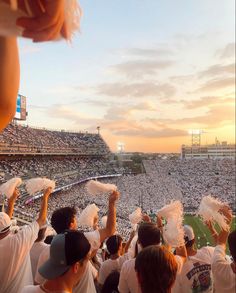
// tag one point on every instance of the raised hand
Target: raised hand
(47, 192)
(114, 196)
(48, 21)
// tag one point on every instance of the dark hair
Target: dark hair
(148, 234)
(41, 234)
(189, 243)
(62, 218)
(48, 239)
(111, 283)
(156, 269)
(113, 243)
(232, 244)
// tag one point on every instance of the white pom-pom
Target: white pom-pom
(73, 14)
(87, 216)
(8, 187)
(173, 232)
(104, 221)
(209, 211)
(172, 210)
(136, 216)
(95, 187)
(35, 185)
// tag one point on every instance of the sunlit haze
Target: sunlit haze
(146, 72)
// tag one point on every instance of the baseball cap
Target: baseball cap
(5, 222)
(65, 250)
(188, 233)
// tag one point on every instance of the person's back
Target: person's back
(196, 274)
(116, 260)
(37, 249)
(15, 269)
(148, 234)
(224, 272)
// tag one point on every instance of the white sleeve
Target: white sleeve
(123, 286)
(94, 239)
(44, 256)
(101, 277)
(26, 236)
(220, 266)
(180, 263)
(94, 271)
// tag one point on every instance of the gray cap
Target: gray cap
(65, 250)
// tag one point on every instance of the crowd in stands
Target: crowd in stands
(118, 263)
(195, 178)
(24, 139)
(99, 260)
(163, 181)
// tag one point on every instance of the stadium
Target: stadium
(72, 159)
(117, 146)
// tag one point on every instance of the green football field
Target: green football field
(202, 234)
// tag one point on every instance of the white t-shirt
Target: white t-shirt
(224, 277)
(86, 284)
(32, 289)
(15, 266)
(196, 275)
(36, 289)
(109, 266)
(128, 280)
(35, 252)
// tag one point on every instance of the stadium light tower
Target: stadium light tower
(120, 147)
(98, 129)
(195, 136)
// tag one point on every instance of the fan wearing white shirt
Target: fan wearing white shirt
(196, 271)
(65, 218)
(116, 260)
(15, 269)
(148, 234)
(37, 249)
(224, 272)
(156, 269)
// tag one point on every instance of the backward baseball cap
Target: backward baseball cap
(65, 250)
(188, 233)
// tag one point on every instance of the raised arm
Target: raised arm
(11, 203)
(111, 218)
(44, 207)
(127, 245)
(9, 79)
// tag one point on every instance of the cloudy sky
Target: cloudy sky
(145, 71)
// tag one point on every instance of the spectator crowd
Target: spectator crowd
(59, 255)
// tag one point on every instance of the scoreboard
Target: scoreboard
(20, 108)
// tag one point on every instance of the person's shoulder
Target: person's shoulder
(207, 250)
(32, 289)
(128, 264)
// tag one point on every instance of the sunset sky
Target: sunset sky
(145, 71)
